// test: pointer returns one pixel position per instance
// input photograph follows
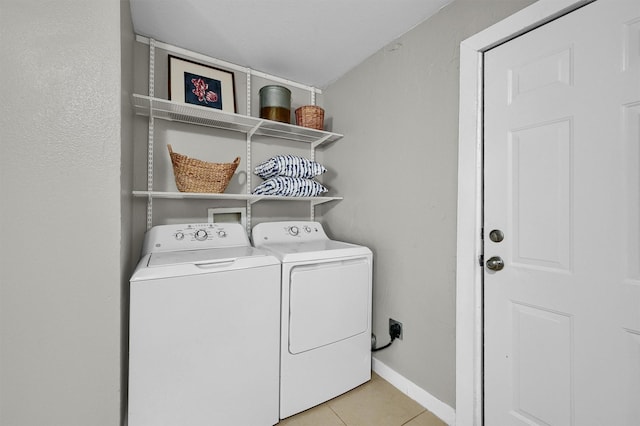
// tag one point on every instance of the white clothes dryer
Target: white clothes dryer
(326, 313)
(204, 329)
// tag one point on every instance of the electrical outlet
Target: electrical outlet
(395, 328)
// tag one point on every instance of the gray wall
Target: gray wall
(127, 261)
(396, 168)
(61, 263)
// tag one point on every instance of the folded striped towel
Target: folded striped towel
(289, 165)
(290, 186)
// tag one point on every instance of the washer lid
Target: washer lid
(184, 263)
(201, 256)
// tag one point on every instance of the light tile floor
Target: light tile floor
(375, 403)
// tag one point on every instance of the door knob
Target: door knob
(495, 263)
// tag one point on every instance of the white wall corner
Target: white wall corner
(443, 411)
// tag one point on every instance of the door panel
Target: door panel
(542, 362)
(551, 69)
(541, 194)
(329, 302)
(562, 154)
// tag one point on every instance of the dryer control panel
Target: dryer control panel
(194, 236)
(289, 231)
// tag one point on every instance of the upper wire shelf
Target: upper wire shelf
(210, 117)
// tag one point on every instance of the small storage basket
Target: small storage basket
(310, 116)
(194, 175)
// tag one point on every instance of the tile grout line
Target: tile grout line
(414, 417)
(337, 415)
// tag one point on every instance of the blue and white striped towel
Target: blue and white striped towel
(290, 186)
(289, 165)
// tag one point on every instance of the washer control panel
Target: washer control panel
(284, 232)
(194, 236)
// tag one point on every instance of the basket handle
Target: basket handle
(170, 149)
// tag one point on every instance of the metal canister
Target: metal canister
(275, 103)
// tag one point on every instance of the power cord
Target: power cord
(394, 332)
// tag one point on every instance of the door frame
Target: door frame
(469, 327)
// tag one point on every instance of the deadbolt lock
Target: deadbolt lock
(496, 235)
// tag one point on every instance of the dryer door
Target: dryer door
(328, 302)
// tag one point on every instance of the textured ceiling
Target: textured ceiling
(309, 41)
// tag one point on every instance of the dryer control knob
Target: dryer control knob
(222, 234)
(201, 235)
(307, 229)
(294, 230)
(179, 236)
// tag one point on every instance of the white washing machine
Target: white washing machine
(204, 329)
(326, 313)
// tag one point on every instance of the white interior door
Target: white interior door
(562, 183)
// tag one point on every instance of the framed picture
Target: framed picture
(193, 83)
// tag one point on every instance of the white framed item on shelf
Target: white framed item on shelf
(203, 85)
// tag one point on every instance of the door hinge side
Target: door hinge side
(481, 260)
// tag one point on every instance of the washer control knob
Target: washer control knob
(222, 233)
(201, 235)
(294, 230)
(179, 236)
(307, 229)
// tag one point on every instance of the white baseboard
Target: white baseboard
(413, 391)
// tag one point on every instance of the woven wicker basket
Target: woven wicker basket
(194, 175)
(310, 116)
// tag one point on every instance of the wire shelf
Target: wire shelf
(210, 117)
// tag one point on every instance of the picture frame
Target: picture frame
(203, 85)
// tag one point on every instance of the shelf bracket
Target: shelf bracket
(248, 152)
(152, 69)
(317, 202)
(320, 141)
(254, 129)
(254, 200)
(149, 212)
(150, 135)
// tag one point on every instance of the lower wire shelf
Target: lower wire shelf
(242, 197)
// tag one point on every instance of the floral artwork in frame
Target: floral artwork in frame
(193, 83)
